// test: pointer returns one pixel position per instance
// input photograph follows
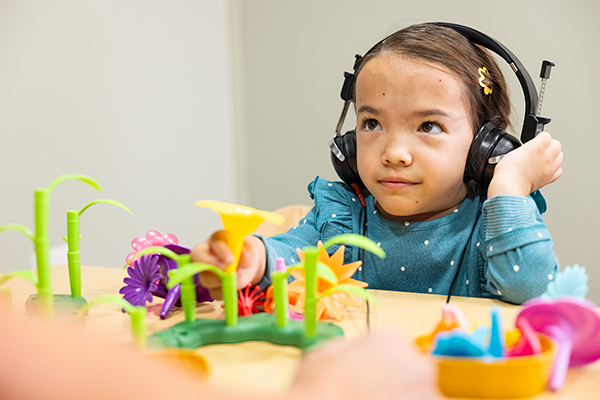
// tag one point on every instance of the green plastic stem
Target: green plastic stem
(137, 314)
(42, 251)
(73, 255)
(280, 297)
(188, 298)
(138, 326)
(310, 301)
(229, 286)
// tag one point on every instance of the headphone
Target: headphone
(490, 143)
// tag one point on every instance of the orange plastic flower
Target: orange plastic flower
(269, 304)
(329, 306)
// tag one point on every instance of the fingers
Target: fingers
(554, 156)
(542, 160)
(214, 251)
(252, 263)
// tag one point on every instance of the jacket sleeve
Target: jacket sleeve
(518, 248)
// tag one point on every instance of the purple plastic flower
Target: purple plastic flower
(142, 281)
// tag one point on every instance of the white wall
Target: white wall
(136, 94)
(293, 54)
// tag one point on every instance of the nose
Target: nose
(397, 151)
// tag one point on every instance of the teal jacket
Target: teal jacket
(507, 248)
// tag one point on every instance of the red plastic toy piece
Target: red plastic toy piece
(248, 301)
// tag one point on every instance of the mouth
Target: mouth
(396, 183)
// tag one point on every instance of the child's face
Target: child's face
(413, 135)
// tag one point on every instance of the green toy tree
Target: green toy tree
(44, 297)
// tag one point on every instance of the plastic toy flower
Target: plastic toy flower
(153, 238)
(452, 318)
(239, 221)
(142, 281)
(249, 300)
(328, 306)
(572, 281)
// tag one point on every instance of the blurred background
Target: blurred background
(168, 103)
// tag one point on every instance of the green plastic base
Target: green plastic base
(262, 327)
(64, 305)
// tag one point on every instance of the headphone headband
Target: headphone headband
(532, 124)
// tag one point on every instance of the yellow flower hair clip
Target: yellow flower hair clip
(487, 90)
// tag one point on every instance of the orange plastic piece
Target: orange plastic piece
(452, 318)
(329, 306)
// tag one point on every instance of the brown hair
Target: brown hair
(461, 58)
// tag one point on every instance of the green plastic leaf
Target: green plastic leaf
(67, 240)
(107, 201)
(323, 271)
(350, 289)
(178, 275)
(83, 178)
(352, 239)
(18, 228)
(26, 274)
(110, 298)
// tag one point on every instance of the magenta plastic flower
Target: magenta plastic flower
(153, 238)
(142, 281)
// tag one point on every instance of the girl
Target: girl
(420, 97)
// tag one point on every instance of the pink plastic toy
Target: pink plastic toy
(153, 238)
(529, 343)
(574, 324)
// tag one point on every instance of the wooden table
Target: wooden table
(410, 313)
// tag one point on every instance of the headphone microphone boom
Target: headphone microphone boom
(490, 143)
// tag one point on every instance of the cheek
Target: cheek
(454, 163)
(366, 157)
(360, 156)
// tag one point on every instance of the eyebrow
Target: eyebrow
(368, 109)
(434, 112)
(431, 113)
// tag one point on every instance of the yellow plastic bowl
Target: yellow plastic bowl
(510, 377)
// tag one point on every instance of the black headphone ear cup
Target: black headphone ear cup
(489, 142)
(346, 169)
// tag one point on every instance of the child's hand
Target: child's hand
(215, 251)
(528, 168)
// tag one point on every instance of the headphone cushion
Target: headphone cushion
(489, 142)
(347, 170)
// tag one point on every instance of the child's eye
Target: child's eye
(431, 127)
(372, 125)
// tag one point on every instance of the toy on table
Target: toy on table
(475, 365)
(6, 293)
(248, 301)
(327, 287)
(73, 254)
(574, 324)
(564, 314)
(279, 329)
(558, 329)
(44, 300)
(137, 313)
(452, 318)
(279, 289)
(483, 342)
(142, 279)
